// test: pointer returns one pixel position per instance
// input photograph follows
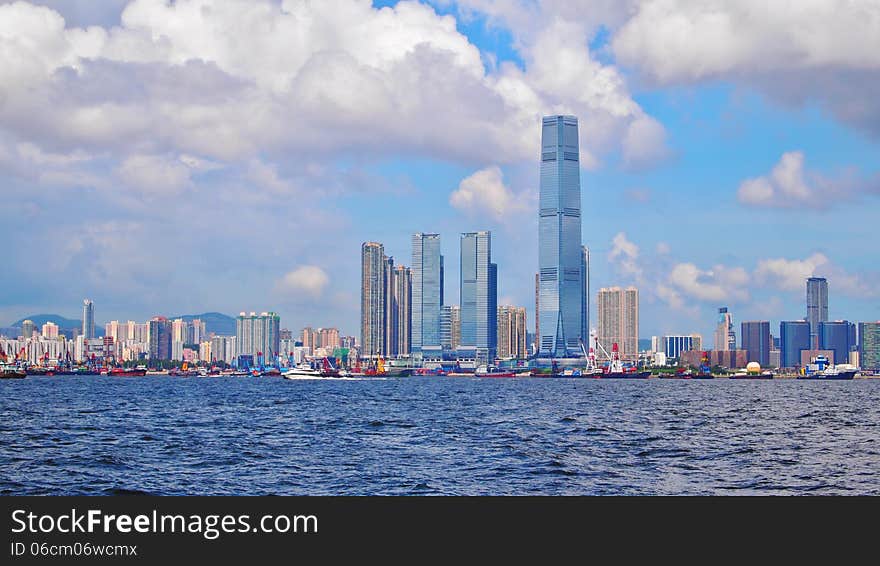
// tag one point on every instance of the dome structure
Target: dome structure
(753, 367)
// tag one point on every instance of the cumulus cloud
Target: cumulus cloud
(715, 285)
(154, 174)
(484, 192)
(313, 77)
(624, 256)
(814, 50)
(790, 185)
(308, 280)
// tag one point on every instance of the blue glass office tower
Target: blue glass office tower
(427, 294)
(560, 255)
(479, 295)
(839, 337)
(794, 336)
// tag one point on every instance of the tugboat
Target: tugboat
(821, 369)
(616, 369)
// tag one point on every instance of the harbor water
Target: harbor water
(437, 436)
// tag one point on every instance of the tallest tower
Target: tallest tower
(560, 255)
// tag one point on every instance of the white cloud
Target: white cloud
(719, 284)
(484, 192)
(790, 185)
(644, 143)
(309, 280)
(788, 274)
(154, 174)
(625, 256)
(794, 52)
(231, 80)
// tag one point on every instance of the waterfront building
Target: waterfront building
(160, 338)
(512, 340)
(838, 336)
(817, 306)
(479, 295)
(869, 345)
(88, 319)
(618, 320)
(374, 267)
(258, 335)
(560, 255)
(756, 341)
(725, 336)
(50, 330)
(794, 337)
(27, 329)
(674, 346)
(427, 294)
(222, 349)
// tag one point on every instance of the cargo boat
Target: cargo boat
(127, 372)
(821, 369)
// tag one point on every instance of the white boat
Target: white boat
(301, 371)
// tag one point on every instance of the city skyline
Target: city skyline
(666, 155)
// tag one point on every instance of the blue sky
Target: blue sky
(168, 158)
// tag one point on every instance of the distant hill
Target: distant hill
(41, 319)
(215, 322)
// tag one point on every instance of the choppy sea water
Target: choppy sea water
(434, 435)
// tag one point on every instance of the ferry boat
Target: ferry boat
(8, 371)
(493, 371)
(300, 371)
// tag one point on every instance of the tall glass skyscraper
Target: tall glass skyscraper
(427, 294)
(88, 319)
(560, 255)
(817, 306)
(479, 295)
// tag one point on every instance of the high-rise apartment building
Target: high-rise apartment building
(560, 255)
(479, 295)
(817, 306)
(675, 346)
(49, 330)
(755, 337)
(427, 294)
(28, 328)
(258, 335)
(618, 320)
(88, 319)
(401, 311)
(374, 265)
(512, 332)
